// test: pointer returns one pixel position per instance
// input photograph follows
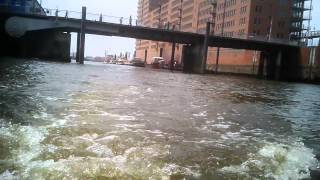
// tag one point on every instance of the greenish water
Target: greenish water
(67, 121)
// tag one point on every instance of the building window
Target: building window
(242, 21)
(243, 10)
(258, 9)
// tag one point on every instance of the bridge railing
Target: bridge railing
(311, 34)
(91, 16)
(256, 37)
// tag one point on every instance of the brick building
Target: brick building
(263, 19)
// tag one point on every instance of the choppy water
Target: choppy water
(67, 121)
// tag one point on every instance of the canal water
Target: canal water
(67, 121)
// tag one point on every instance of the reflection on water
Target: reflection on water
(102, 121)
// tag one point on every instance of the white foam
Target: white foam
(88, 137)
(118, 116)
(126, 101)
(108, 139)
(100, 150)
(154, 131)
(134, 90)
(51, 98)
(171, 169)
(234, 136)
(221, 126)
(126, 126)
(201, 114)
(278, 161)
(220, 118)
(7, 176)
(29, 145)
(42, 115)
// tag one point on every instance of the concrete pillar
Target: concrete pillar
(312, 59)
(173, 49)
(145, 56)
(261, 70)
(205, 49)
(192, 58)
(278, 66)
(217, 60)
(187, 58)
(78, 48)
(82, 35)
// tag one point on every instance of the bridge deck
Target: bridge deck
(138, 32)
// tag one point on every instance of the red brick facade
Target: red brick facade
(242, 18)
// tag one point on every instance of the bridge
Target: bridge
(311, 35)
(275, 53)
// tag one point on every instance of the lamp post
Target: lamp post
(222, 31)
(270, 29)
(180, 14)
(142, 13)
(159, 20)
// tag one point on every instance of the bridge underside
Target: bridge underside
(280, 65)
(49, 44)
(53, 46)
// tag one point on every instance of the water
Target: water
(67, 121)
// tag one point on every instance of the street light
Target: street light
(142, 13)
(180, 14)
(213, 4)
(160, 8)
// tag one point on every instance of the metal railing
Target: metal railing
(91, 16)
(311, 34)
(265, 38)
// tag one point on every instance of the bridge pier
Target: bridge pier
(82, 35)
(172, 56)
(78, 48)
(278, 66)
(205, 49)
(262, 64)
(194, 56)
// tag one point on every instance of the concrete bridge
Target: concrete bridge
(278, 58)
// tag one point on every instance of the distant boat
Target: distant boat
(121, 62)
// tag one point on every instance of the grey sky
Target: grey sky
(96, 45)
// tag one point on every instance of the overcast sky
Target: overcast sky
(97, 45)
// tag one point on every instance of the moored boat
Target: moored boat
(157, 62)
